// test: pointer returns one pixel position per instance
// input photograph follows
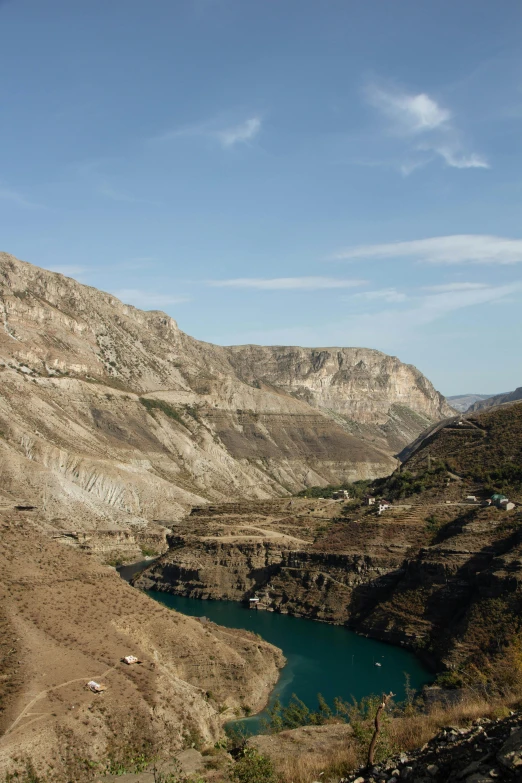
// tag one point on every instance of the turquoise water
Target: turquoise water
(322, 658)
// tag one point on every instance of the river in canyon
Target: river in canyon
(321, 658)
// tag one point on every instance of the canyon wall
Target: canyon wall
(111, 417)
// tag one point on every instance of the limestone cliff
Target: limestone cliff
(111, 417)
(365, 391)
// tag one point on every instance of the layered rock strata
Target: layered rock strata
(111, 417)
(414, 575)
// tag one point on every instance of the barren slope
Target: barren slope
(64, 620)
(111, 417)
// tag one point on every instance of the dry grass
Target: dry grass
(309, 766)
(400, 734)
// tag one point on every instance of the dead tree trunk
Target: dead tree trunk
(380, 708)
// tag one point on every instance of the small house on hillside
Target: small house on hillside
(383, 505)
(369, 500)
(506, 505)
(96, 687)
(341, 494)
(497, 499)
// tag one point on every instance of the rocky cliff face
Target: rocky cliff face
(358, 387)
(113, 417)
(434, 571)
(396, 577)
(278, 551)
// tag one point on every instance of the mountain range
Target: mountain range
(113, 417)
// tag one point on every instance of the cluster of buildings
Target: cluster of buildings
(498, 500)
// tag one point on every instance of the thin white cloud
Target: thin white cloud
(239, 134)
(228, 136)
(457, 160)
(390, 328)
(409, 114)
(148, 299)
(382, 295)
(286, 283)
(421, 117)
(7, 194)
(119, 195)
(454, 249)
(445, 287)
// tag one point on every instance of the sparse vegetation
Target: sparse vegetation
(253, 767)
(160, 405)
(357, 490)
(148, 551)
(296, 714)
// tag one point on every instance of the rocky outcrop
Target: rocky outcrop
(111, 417)
(488, 750)
(117, 546)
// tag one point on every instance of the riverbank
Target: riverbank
(321, 658)
(421, 576)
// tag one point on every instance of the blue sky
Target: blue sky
(341, 172)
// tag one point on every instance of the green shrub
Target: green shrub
(164, 407)
(253, 767)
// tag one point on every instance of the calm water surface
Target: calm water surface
(327, 659)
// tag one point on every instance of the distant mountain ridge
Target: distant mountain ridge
(498, 399)
(463, 402)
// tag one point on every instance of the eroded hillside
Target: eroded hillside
(111, 417)
(66, 620)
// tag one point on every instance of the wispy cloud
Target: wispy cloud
(428, 127)
(459, 160)
(227, 136)
(409, 114)
(116, 194)
(454, 249)
(17, 198)
(148, 299)
(286, 283)
(239, 134)
(390, 328)
(390, 295)
(445, 287)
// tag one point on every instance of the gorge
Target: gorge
(122, 437)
